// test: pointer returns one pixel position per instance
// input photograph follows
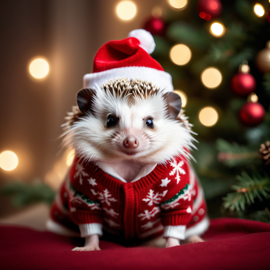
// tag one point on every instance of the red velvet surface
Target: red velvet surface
(230, 244)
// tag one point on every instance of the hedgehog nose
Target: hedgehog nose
(131, 142)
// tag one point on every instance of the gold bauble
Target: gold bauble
(263, 59)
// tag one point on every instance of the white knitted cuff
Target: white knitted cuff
(90, 229)
(177, 232)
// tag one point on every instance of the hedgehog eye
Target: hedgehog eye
(111, 121)
(149, 122)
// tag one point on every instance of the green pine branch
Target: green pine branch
(236, 32)
(247, 190)
(263, 215)
(181, 32)
(162, 47)
(244, 8)
(226, 52)
(25, 194)
(220, 52)
(244, 54)
(233, 154)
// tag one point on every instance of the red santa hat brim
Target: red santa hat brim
(161, 79)
(128, 59)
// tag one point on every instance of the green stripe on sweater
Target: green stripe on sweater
(83, 197)
(175, 197)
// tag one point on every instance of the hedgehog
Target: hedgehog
(131, 177)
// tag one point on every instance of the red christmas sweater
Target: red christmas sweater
(167, 200)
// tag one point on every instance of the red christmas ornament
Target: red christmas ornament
(155, 26)
(252, 113)
(268, 16)
(209, 9)
(243, 83)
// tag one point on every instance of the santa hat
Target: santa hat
(128, 58)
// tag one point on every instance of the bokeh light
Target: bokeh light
(217, 29)
(252, 97)
(244, 68)
(178, 4)
(70, 157)
(259, 10)
(183, 97)
(208, 116)
(180, 54)
(156, 11)
(8, 160)
(39, 68)
(126, 10)
(211, 77)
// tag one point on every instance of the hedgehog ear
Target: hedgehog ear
(85, 100)
(174, 104)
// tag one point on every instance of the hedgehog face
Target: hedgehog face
(132, 126)
(127, 120)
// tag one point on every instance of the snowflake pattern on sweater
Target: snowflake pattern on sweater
(141, 209)
(177, 170)
(104, 196)
(80, 172)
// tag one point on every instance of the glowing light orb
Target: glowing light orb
(217, 29)
(70, 157)
(126, 10)
(244, 68)
(39, 68)
(259, 10)
(178, 4)
(180, 54)
(183, 97)
(253, 97)
(211, 77)
(208, 116)
(8, 160)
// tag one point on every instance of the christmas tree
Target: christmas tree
(218, 55)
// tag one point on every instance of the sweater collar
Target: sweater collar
(113, 183)
(107, 168)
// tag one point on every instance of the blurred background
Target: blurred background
(218, 53)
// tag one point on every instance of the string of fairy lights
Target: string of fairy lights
(180, 54)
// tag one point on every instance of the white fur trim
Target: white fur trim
(146, 39)
(177, 232)
(90, 229)
(199, 228)
(161, 79)
(107, 168)
(180, 232)
(59, 229)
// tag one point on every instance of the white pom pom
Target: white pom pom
(145, 38)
